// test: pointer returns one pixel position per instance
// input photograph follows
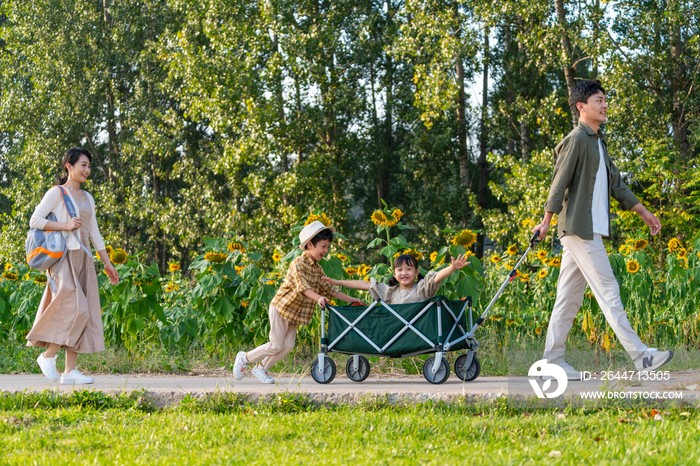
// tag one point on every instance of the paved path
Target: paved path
(405, 388)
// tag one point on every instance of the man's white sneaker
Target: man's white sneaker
(239, 366)
(652, 359)
(261, 373)
(74, 377)
(48, 366)
(571, 373)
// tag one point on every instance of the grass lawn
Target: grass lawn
(91, 428)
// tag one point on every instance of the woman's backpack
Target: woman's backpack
(46, 247)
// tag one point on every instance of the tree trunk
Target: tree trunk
(463, 153)
(567, 51)
(680, 124)
(483, 141)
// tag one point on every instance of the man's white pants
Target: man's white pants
(584, 262)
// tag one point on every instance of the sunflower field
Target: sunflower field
(222, 299)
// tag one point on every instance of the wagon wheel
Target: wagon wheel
(362, 371)
(442, 374)
(467, 373)
(328, 373)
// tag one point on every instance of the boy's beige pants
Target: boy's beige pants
(584, 262)
(282, 339)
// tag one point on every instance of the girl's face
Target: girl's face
(81, 170)
(406, 275)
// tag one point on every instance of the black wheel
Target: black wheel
(362, 371)
(328, 373)
(442, 374)
(467, 373)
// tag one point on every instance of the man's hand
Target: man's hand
(544, 226)
(331, 281)
(650, 219)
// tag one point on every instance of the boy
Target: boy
(583, 180)
(294, 303)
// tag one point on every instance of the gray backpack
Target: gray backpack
(46, 247)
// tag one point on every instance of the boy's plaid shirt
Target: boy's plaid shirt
(304, 273)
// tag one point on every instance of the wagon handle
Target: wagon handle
(534, 240)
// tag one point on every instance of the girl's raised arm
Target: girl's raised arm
(354, 284)
(457, 264)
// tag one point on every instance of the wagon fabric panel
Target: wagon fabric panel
(381, 326)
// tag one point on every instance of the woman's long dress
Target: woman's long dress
(72, 317)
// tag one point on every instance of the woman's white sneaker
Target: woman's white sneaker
(48, 366)
(74, 378)
(261, 373)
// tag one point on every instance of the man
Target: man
(583, 180)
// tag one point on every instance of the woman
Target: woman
(71, 318)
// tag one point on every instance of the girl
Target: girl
(70, 319)
(407, 285)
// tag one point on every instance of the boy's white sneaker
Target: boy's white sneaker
(74, 377)
(261, 373)
(239, 366)
(652, 359)
(48, 366)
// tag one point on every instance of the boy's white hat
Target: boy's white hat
(311, 230)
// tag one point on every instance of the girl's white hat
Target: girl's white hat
(311, 230)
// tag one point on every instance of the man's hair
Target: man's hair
(582, 91)
(323, 234)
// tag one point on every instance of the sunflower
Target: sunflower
(555, 262)
(351, 271)
(512, 250)
(465, 238)
(495, 258)
(640, 244)
(538, 330)
(239, 268)
(174, 266)
(8, 267)
(433, 256)
(542, 273)
(109, 250)
(245, 303)
(342, 257)
(169, 288)
(215, 257)
(10, 275)
(541, 254)
(379, 217)
(118, 256)
(323, 218)
(682, 253)
(625, 249)
(414, 253)
(270, 282)
(233, 247)
(633, 266)
(40, 279)
(525, 278)
(276, 256)
(606, 343)
(674, 245)
(397, 214)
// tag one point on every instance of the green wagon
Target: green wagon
(437, 326)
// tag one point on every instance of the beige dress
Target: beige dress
(72, 317)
